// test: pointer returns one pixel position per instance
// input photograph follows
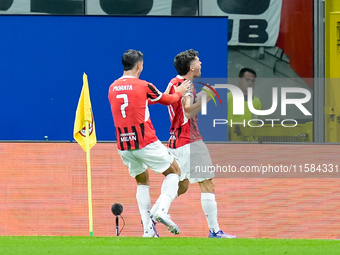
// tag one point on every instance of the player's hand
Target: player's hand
(206, 90)
(184, 87)
(211, 92)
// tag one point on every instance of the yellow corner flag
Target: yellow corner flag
(84, 133)
(84, 115)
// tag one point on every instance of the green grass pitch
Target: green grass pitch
(32, 245)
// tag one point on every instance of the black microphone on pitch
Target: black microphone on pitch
(117, 209)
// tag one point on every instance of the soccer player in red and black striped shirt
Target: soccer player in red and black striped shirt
(186, 143)
(137, 142)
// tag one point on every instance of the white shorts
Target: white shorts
(154, 155)
(192, 157)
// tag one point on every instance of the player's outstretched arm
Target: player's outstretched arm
(168, 99)
(179, 88)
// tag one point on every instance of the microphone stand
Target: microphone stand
(117, 226)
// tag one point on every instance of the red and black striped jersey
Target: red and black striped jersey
(128, 97)
(182, 130)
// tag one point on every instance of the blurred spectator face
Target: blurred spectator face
(247, 81)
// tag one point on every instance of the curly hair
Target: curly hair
(183, 61)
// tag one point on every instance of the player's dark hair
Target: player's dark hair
(246, 69)
(130, 58)
(183, 61)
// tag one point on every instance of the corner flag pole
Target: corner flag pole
(89, 185)
(84, 133)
